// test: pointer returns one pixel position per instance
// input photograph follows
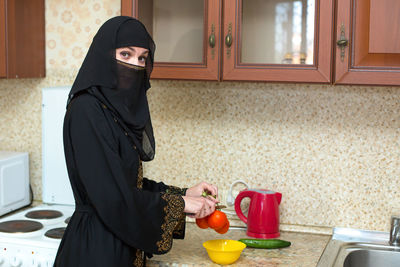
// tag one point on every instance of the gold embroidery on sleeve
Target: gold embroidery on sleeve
(176, 190)
(139, 260)
(180, 227)
(139, 183)
(173, 212)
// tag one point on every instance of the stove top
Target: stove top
(43, 214)
(56, 233)
(35, 221)
(20, 226)
(31, 237)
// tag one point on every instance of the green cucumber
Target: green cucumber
(265, 243)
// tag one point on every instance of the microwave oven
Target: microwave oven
(14, 181)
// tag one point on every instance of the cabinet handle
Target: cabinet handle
(228, 37)
(342, 42)
(211, 39)
(228, 40)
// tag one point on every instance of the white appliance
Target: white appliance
(14, 181)
(56, 186)
(31, 237)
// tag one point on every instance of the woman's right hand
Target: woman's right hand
(198, 207)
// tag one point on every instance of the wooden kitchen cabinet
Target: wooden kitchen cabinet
(186, 33)
(277, 40)
(22, 39)
(368, 36)
(254, 40)
(274, 40)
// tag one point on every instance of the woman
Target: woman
(120, 217)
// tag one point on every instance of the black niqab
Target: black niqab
(121, 86)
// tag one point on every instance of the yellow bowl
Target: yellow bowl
(224, 251)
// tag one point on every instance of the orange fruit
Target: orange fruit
(202, 223)
(217, 219)
(223, 229)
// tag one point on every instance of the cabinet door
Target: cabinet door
(186, 33)
(278, 40)
(3, 59)
(25, 38)
(371, 54)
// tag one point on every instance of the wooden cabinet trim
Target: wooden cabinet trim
(3, 51)
(129, 8)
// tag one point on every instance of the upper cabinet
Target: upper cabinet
(368, 42)
(242, 40)
(186, 33)
(274, 40)
(277, 40)
(22, 39)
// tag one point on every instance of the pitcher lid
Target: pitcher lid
(262, 191)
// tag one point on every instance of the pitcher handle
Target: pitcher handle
(230, 200)
(238, 200)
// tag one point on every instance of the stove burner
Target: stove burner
(20, 226)
(56, 233)
(43, 214)
(67, 220)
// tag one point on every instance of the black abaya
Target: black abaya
(119, 215)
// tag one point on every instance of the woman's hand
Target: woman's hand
(197, 191)
(198, 207)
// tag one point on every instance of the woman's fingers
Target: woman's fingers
(207, 208)
(213, 191)
(198, 207)
(201, 187)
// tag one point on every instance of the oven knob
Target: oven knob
(36, 263)
(15, 261)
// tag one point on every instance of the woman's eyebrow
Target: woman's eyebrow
(145, 53)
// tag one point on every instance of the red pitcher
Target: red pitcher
(263, 216)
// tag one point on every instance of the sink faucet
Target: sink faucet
(395, 230)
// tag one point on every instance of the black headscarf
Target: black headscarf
(120, 85)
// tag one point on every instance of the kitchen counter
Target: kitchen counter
(304, 251)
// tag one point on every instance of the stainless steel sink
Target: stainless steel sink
(359, 248)
(372, 258)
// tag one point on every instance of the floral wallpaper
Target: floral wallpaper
(333, 151)
(70, 27)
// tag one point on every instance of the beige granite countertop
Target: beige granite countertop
(304, 251)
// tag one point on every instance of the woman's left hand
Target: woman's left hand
(197, 191)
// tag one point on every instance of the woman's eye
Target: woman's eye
(143, 59)
(125, 54)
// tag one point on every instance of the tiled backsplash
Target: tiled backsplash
(332, 151)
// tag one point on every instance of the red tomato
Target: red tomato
(224, 228)
(217, 219)
(202, 223)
